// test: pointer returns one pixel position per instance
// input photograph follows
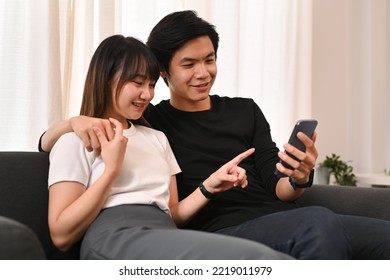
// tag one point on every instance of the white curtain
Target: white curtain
(369, 85)
(351, 81)
(30, 74)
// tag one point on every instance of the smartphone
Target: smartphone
(306, 126)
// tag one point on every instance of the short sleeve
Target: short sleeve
(70, 161)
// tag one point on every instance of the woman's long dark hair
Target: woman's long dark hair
(117, 59)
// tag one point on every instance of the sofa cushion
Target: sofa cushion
(359, 201)
(24, 196)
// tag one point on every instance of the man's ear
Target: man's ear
(163, 74)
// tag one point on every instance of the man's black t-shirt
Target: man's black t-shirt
(203, 141)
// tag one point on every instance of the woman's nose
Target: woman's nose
(147, 93)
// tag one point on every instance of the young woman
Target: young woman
(123, 203)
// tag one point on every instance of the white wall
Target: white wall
(351, 81)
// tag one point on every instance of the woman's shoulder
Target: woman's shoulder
(150, 131)
(70, 137)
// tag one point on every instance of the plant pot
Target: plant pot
(321, 176)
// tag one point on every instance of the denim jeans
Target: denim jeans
(317, 233)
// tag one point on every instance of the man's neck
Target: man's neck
(191, 106)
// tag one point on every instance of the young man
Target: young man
(207, 130)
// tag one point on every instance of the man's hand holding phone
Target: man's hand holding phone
(300, 154)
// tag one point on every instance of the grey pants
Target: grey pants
(144, 232)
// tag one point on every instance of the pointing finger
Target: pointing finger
(242, 156)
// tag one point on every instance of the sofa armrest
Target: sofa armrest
(18, 242)
(369, 202)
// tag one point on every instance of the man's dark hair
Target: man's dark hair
(174, 30)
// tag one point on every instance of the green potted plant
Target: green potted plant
(341, 170)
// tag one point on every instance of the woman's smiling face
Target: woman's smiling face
(132, 99)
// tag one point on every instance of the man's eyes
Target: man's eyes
(190, 65)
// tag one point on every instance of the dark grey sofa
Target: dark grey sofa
(24, 202)
(24, 198)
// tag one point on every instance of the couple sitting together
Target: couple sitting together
(192, 177)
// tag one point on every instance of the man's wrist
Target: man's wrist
(205, 192)
(296, 186)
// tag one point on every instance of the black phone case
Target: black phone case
(306, 126)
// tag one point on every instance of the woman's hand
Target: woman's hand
(112, 150)
(229, 175)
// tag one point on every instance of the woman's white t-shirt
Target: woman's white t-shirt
(146, 172)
